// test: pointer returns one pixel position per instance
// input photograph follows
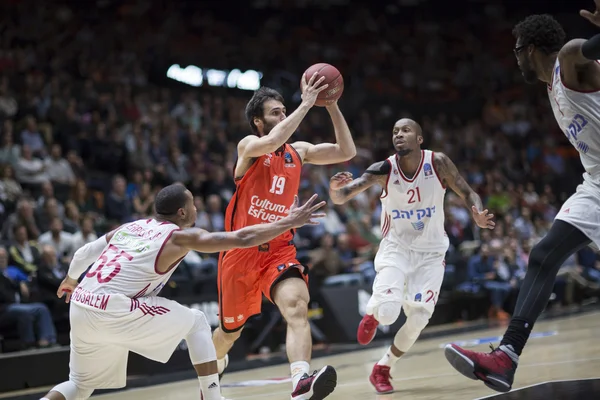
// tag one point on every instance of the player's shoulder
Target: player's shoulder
(247, 140)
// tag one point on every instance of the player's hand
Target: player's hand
(483, 219)
(311, 89)
(67, 287)
(305, 214)
(340, 180)
(594, 18)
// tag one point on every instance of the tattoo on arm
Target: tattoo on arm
(450, 176)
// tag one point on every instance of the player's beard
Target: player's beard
(403, 152)
(267, 127)
(529, 74)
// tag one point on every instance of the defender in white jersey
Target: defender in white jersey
(410, 259)
(115, 309)
(572, 75)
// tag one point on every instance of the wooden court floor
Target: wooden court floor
(566, 348)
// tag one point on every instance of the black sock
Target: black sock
(517, 334)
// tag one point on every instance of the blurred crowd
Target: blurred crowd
(92, 129)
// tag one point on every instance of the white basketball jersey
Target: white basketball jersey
(578, 115)
(127, 265)
(413, 209)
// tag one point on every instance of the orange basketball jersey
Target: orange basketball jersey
(266, 191)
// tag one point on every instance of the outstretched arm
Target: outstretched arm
(450, 176)
(207, 242)
(330, 153)
(342, 188)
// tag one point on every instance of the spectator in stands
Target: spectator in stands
(85, 235)
(58, 169)
(49, 276)
(33, 320)
(143, 201)
(118, 206)
(10, 153)
(30, 171)
(10, 189)
(23, 252)
(32, 138)
(60, 240)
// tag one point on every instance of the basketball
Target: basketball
(333, 78)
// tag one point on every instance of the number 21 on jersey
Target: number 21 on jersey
(415, 195)
(278, 184)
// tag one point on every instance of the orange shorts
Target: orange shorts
(246, 274)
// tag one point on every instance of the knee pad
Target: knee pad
(71, 391)
(388, 313)
(416, 322)
(199, 340)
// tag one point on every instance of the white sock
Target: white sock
(210, 387)
(389, 359)
(44, 398)
(298, 369)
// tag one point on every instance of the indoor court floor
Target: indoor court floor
(559, 349)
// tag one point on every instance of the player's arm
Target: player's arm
(212, 242)
(87, 255)
(342, 187)
(330, 153)
(576, 56)
(450, 177)
(253, 146)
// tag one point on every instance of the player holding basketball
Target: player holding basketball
(572, 75)
(267, 176)
(115, 309)
(414, 240)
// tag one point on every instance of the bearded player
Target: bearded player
(414, 241)
(572, 76)
(267, 176)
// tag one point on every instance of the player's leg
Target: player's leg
(386, 300)
(289, 291)
(160, 327)
(93, 363)
(239, 299)
(497, 368)
(422, 290)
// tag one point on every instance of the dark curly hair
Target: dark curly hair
(542, 31)
(254, 108)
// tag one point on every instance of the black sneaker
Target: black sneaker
(316, 386)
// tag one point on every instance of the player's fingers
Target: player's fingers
(317, 215)
(312, 79)
(586, 14)
(490, 215)
(295, 203)
(68, 299)
(317, 206)
(310, 201)
(474, 209)
(321, 88)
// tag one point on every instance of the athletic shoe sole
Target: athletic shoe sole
(466, 367)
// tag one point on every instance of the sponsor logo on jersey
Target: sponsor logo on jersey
(427, 169)
(418, 297)
(419, 226)
(266, 210)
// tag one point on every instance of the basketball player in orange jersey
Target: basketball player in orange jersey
(267, 176)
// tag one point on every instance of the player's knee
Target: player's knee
(295, 311)
(388, 313)
(200, 322)
(228, 337)
(417, 321)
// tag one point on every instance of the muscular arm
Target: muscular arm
(254, 146)
(207, 242)
(450, 176)
(330, 153)
(375, 174)
(577, 56)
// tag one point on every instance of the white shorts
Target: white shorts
(582, 210)
(101, 340)
(408, 277)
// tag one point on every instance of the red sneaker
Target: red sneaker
(316, 386)
(367, 329)
(495, 369)
(380, 379)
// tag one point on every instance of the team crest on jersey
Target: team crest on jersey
(289, 161)
(427, 169)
